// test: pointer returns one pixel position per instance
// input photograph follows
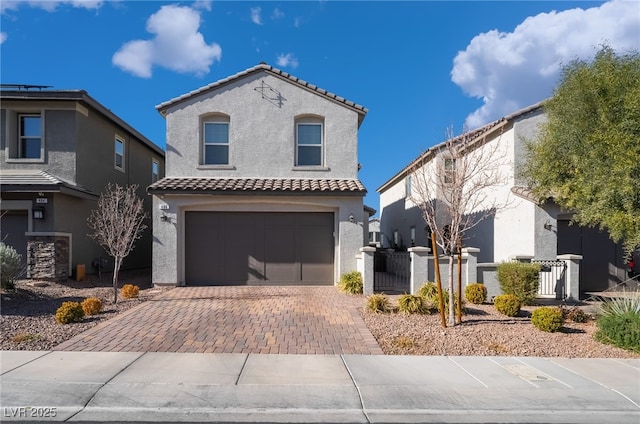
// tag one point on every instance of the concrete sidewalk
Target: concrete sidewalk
(200, 387)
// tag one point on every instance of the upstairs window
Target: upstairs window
(449, 170)
(30, 137)
(119, 154)
(215, 137)
(408, 186)
(309, 143)
(155, 171)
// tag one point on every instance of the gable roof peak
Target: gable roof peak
(263, 66)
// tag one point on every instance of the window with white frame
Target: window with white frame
(155, 170)
(119, 154)
(30, 136)
(309, 142)
(408, 186)
(215, 139)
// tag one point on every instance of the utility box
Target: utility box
(80, 272)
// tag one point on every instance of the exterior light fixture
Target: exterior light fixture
(352, 218)
(38, 213)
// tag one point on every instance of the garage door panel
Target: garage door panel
(258, 248)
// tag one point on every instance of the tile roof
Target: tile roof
(274, 71)
(189, 185)
(23, 180)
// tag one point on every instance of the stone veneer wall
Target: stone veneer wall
(48, 257)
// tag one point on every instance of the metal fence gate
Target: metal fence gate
(553, 280)
(392, 272)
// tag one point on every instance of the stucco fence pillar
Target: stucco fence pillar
(572, 276)
(364, 264)
(419, 268)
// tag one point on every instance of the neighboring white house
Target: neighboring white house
(523, 227)
(261, 184)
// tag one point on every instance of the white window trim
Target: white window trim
(115, 153)
(203, 162)
(311, 121)
(13, 135)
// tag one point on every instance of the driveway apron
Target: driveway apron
(282, 319)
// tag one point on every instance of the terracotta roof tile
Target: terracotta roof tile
(194, 185)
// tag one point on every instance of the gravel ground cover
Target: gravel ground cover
(486, 332)
(27, 314)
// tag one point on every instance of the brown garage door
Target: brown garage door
(237, 248)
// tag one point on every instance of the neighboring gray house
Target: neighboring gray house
(523, 228)
(59, 150)
(262, 184)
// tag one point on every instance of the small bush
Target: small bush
(628, 302)
(412, 304)
(575, 314)
(351, 282)
(428, 290)
(129, 291)
(620, 330)
(547, 319)
(520, 279)
(25, 337)
(10, 266)
(476, 293)
(507, 304)
(378, 303)
(69, 312)
(92, 306)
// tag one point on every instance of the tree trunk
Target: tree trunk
(116, 269)
(452, 293)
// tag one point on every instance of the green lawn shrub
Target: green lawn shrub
(351, 282)
(520, 279)
(507, 304)
(412, 304)
(378, 302)
(69, 312)
(547, 319)
(620, 330)
(476, 293)
(10, 266)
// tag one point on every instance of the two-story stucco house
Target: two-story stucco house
(522, 227)
(261, 185)
(59, 150)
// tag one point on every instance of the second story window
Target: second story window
(30, 138)
(216, 143)
(119, 154)
(155, 171)
(449, 170)
(309, 144)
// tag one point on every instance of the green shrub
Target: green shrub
(10, 266)
(412, 304)
(69, 312)
(575, 314)
(627, 302)
(378, 303)
(507, 304)
(520, 279)
(428, 290)
(91, 306)
(547, 319)
(351, 282)
(129, 291)
(476, 293)
(620, 330)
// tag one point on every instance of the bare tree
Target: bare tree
(117, 224)
(454, 185)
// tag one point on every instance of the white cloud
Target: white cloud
(297, 22)
(202, 5)
(50, 5)
(509, 71)
(177, 45)
(255, 15)
(277, 14)
(288, 59)
(3, 37)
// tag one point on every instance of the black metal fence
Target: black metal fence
(392, 272)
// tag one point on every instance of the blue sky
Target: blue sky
(420, 67)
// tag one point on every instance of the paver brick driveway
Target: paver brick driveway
(296, 320)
